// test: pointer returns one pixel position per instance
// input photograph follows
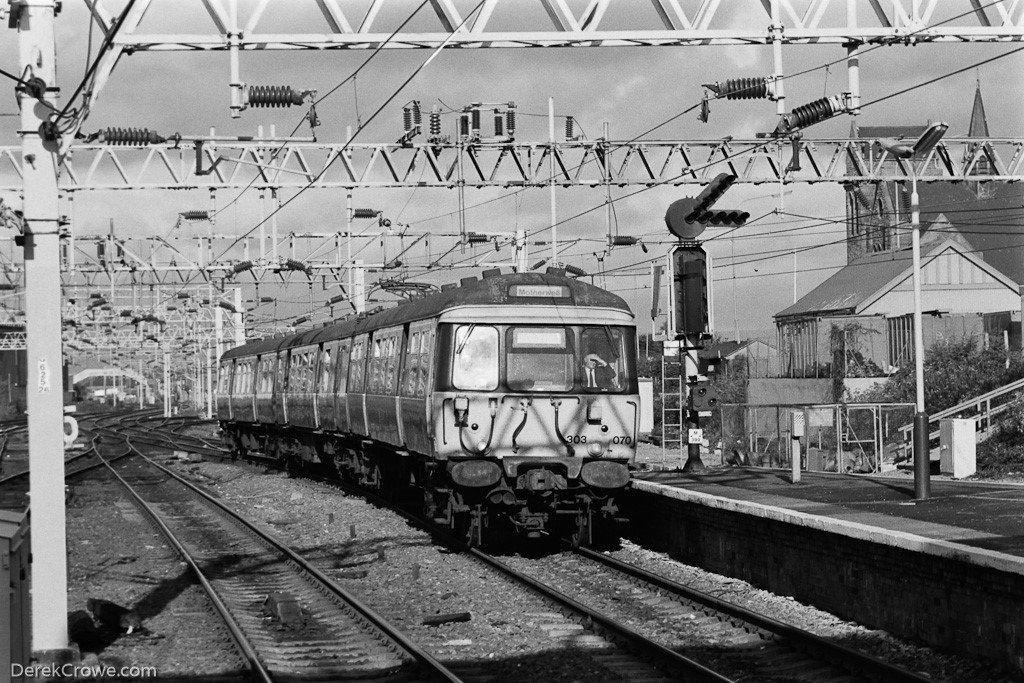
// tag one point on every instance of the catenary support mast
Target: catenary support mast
(43, 326)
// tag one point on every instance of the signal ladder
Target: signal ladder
(673, 405)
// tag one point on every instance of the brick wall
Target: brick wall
(950, 602)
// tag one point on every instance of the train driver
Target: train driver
(597, 374)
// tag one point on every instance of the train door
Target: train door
(341, 415)
(381, 385)
(224, 390)
(299, 403)
(357, 386)
(263, 398)
(326, 415)
(280, 387)
(413, 387)
(242, 389)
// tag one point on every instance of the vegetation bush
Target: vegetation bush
(1002, 455)
(954, 371)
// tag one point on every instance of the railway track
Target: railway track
(613, 646)
(288, 619)
(703, 625)
(670, 623)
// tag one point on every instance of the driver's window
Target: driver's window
(475, 365)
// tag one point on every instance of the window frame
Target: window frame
(457, 376)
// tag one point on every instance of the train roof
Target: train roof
(494, 289)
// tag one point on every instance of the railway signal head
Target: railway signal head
(687, 218)
(690, 312)
(703, 397)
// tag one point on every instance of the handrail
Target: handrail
(1012, 386)
(983, 403)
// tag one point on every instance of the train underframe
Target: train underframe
(476, 498)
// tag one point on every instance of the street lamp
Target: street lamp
(922, 457)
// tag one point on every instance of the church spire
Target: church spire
(979, 124)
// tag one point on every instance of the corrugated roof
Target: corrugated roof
(849, 286)
(864, 280)
(722, 349)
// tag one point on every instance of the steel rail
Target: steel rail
(693, 671)
(854, 660)
(255, 665)
(421, 656)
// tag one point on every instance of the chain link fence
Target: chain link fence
(855, 438)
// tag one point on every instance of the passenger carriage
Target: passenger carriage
(477, 395)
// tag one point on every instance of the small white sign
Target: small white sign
(694, 436)
(44, 376)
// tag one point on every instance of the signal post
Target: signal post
(690, 312)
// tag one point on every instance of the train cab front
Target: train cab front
(536, 423)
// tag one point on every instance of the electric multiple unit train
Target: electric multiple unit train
(509, 403)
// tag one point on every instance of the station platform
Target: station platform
(947, 571)
(980, 515)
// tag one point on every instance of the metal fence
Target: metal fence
(837, 437)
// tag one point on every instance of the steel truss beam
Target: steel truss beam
(601, 23)
(515, 164)
(133, 317)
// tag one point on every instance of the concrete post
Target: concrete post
(43, 328)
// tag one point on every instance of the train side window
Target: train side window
(262, 378)
(295, 372)
(426, 358)
(412, 365)
(308, 370)
(224, 378)
(390, 364)
(326, 374)
(475, 365)
(376, 374)
(281, 381)
(357, 368)
(342, 367)
(236, 384)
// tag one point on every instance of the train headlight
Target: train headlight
(595, 448)
(476, 473)
(481, 446)
(605, 474)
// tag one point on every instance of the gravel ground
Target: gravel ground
(115, 554)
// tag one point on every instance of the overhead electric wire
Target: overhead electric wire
(580, 214)
(386, 102)
(330, 92)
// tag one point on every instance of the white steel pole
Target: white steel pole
(237, 319)
(922, 455)
(43, 331)
(209, 382)
(167, 383)
(551, 165)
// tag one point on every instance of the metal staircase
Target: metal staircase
(986, 409)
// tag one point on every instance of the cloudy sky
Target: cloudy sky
(632, 89)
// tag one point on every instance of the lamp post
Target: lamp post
(922, 456)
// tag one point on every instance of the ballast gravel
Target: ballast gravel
(486, 629)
